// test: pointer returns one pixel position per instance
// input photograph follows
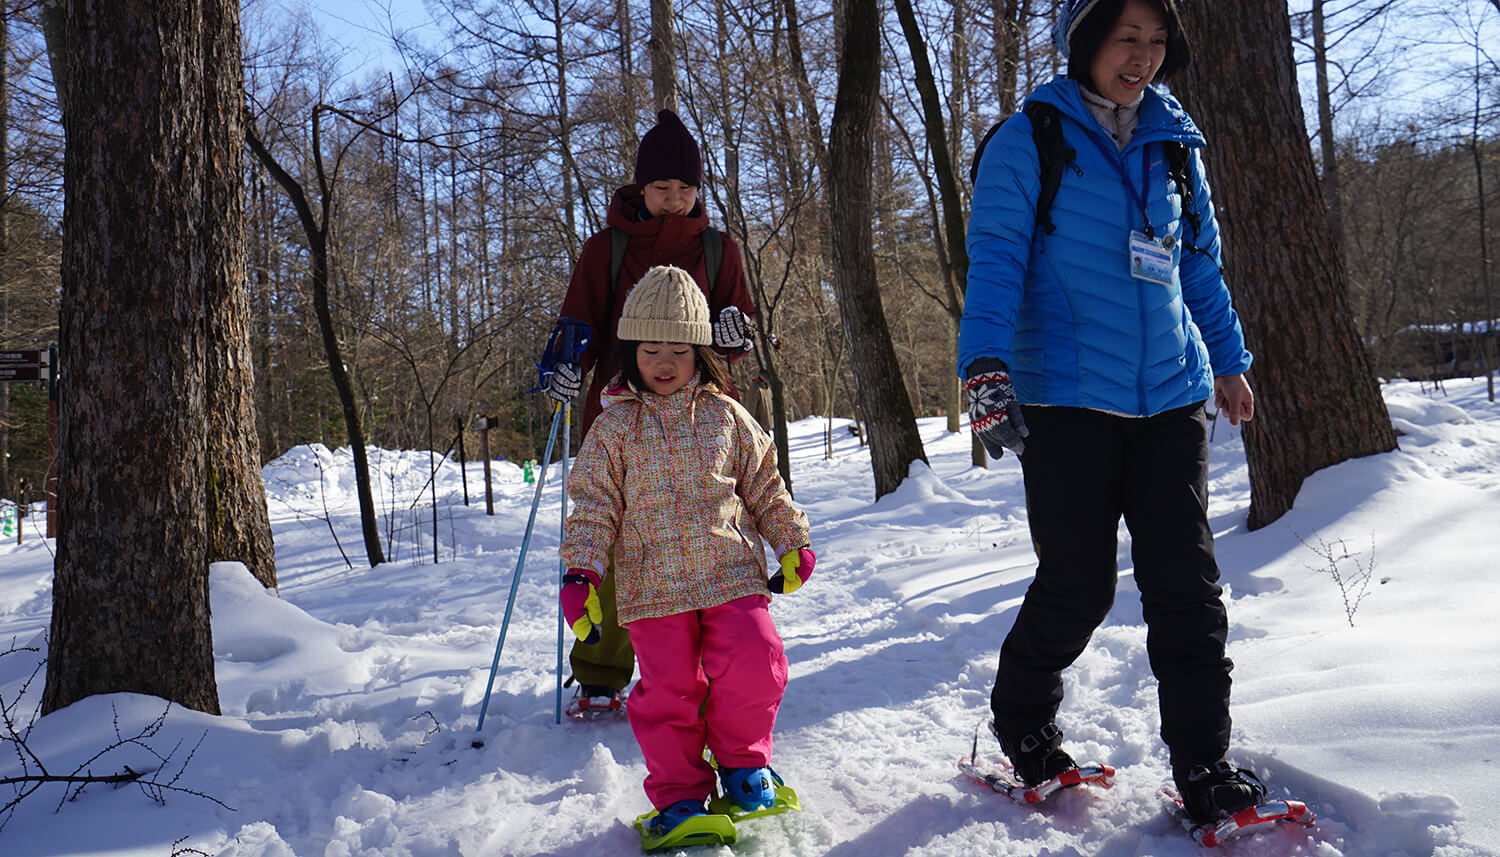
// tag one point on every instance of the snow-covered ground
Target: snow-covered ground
(350, 702)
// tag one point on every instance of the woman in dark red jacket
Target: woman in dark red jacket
(660, 221)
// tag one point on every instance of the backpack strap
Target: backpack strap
(1053, 154)
(713, 257)
(1052, 151)
(619, 239)
(979, 152)
(1180, 168)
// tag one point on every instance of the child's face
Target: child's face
(666, 367)
(670, 196)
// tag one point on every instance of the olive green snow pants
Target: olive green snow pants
(611, 661)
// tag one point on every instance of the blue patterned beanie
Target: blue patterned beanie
(1073, 14)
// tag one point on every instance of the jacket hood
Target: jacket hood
(1162, 118)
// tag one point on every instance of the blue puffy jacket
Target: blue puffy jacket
(1061, 309)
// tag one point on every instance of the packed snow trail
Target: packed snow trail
(350, 701)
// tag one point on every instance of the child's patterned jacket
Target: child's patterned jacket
(683, 487)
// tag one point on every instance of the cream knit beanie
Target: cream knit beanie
(665, 306)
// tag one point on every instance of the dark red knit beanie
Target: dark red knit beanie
(668, 151)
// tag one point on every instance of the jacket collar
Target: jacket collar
(1161, 117)
(618, 391)
(627, 212)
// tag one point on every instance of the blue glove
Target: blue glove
(796, 568)
(994, 413)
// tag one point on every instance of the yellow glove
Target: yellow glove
(580, 603)
(796, 568)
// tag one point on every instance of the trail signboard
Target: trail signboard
(24, 365)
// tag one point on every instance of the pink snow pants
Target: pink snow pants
(735, 649)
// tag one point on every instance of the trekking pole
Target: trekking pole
(561, 568)
(515, 581)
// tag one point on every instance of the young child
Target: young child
(679, 483)
(661, 221)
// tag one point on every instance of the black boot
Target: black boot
(1212, 792)
(1036, 756)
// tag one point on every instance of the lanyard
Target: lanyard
(1114, 157)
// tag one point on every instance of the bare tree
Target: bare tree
(881, 391)
(1342, 43)
(1009, 24)
(1483, 61)
(1318, 401)
(953, 255)
(315, 226)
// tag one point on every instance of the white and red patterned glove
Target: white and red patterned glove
(994, 413)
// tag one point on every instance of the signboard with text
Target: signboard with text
(26, 365)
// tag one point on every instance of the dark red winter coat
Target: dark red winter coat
(667, 240)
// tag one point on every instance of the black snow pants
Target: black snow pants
(1083, 470)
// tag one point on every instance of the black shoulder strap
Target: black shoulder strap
(979, 152)
(1180, 168)
(619, 239)
(1053, 154)
(713, 257)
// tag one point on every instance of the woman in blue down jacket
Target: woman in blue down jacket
(1109, 333)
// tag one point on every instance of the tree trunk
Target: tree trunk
(565, 136)
(663, 47)
(1485, 342)
(52, 15)
(1010, 30)
(954, 254)
(130, 598)
(805, 91)
(4, 237)
(737, 225)
(630, 141)
(239, 525)
(1318, 403)
(270, 444)
(880, 390)
(1325, 127)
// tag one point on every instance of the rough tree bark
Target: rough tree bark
(130, 597)
(1317, 401)
(663, 47)
(239, 524)
(880, 389)
(4, 238)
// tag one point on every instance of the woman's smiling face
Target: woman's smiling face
(1131, 54)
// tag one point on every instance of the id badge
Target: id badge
(1149, 260)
